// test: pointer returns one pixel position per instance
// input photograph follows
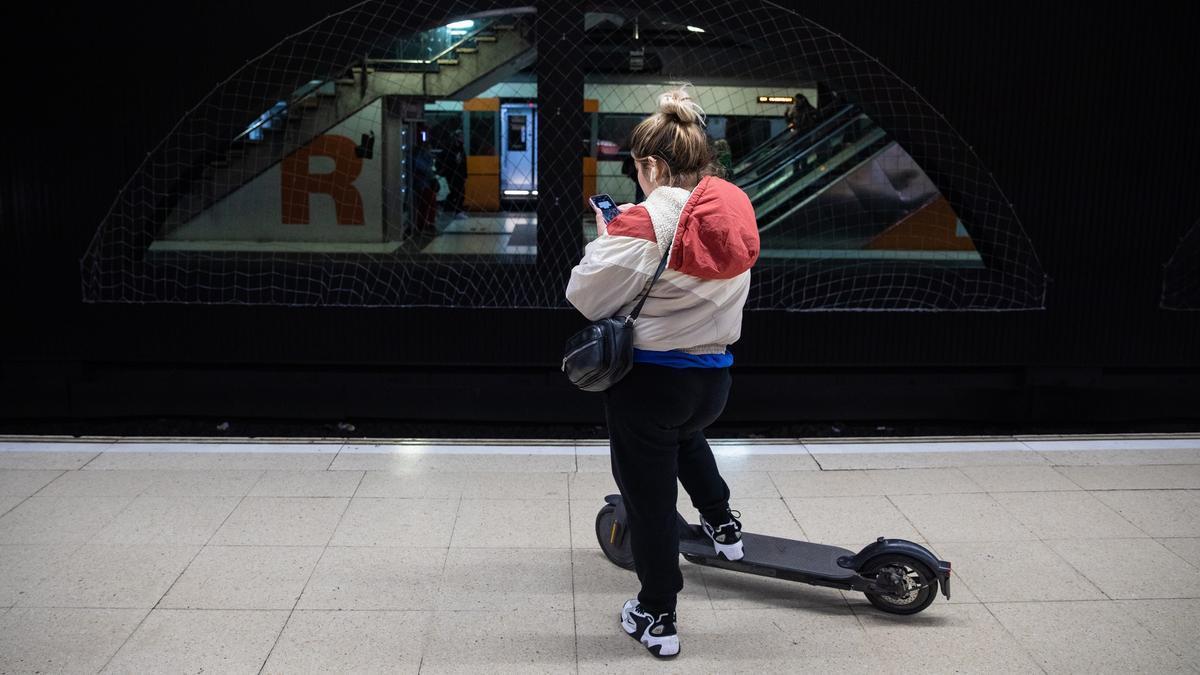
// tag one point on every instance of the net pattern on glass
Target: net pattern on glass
(327, 171)
(1181, 276)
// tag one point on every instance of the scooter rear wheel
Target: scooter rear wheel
(613, 538)
(920, 583)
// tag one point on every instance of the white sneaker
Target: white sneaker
(726, 539)
(656, 633)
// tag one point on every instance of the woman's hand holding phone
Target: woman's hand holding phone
(601, 225)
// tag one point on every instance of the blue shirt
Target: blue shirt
(680, 359)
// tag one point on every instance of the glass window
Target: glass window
(483, 132)
(441, 127)
(517, 140)
(613, 138)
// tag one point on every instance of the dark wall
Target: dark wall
(1084, 114)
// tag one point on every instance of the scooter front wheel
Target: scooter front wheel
(614, 538)
(914, 584)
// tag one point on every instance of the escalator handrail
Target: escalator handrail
(800, 146)
(766, 148)
(786, 137)
(784, 166)
(868, 140)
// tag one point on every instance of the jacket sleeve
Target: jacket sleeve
(611, 275)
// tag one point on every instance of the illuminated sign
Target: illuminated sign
(776, 99)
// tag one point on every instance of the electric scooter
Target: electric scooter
(897, 576)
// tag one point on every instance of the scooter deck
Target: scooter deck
(771, 556)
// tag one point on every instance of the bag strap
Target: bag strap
(662, 265)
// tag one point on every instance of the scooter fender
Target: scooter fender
(882, 546)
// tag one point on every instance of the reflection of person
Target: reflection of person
(454, 169)
(724, 156)
(425, 188)
(629, 168)
(680, 378)
(800, 116)
(826, 96)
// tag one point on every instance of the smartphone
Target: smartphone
(606, 205)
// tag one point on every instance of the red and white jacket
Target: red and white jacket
(696, 305)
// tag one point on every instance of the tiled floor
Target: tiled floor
(485, 234)
(1070, 555)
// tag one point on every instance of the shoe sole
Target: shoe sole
(727, 551)
(654, 650)
(730, 552)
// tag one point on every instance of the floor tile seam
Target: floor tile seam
(571, 557)
(311, 572)
(1143, 489)
(73, 548)
(795, 518)
(707, 592)
(334, 458)
(1039, 537)
(858, 618)
(1013, 637)
(449, 544)
(1119, 515)
(1105, 599)
(874, 648)
(1172, 552)
(95, 456)
(112, 519)
(1047, 544)
(907, 519)
(970, 479)
(61, 473)
(182, 571)
(1183, 658)
(128, 637)
(357, 486)
(1057, 469)
(1030, 448)
(1043, 540)
(200, 550)
(773, 484)
(14, 506)
(812, 456)
(262, 473)
(304, 587)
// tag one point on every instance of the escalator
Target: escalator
(846, 189)
(786, 143)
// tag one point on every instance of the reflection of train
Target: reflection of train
(838, 183)
(500, 130)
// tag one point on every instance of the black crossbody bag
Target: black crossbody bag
(598, 356)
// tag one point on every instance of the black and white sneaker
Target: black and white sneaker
(656, 633)
(727, 538)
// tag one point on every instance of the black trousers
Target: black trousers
(456, 193)
(656, 419)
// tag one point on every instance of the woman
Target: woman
(680, 379)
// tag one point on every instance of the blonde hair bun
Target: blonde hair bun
(678, 104)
